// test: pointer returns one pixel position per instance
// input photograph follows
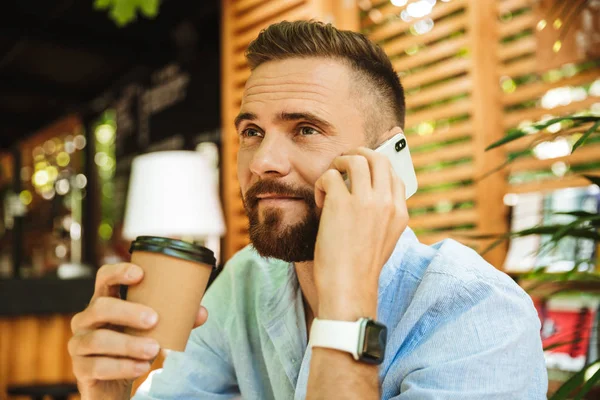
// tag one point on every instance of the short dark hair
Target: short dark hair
(285, 40)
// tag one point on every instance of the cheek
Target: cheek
(311, 168)
(243, 169)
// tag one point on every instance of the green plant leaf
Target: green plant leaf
(594, 179)
(519, 133)
(102, 4)
(512, 136)
(149, 7)
(589, 384)
(555, 345)
(578, 214)
(123, 12)
(585, 136)
(569, 386)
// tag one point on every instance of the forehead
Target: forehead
(318, 83)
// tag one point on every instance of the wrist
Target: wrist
(346, 309)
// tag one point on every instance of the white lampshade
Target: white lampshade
(172, 194)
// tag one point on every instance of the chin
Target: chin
(292, 240)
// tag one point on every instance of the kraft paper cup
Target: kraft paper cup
(176, 274)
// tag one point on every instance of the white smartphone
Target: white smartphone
(396, 149)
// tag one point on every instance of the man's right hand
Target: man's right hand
(106, 361)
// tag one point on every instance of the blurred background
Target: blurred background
(86, 86)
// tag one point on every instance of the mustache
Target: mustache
(278, 188)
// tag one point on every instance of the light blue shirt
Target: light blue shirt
(457, 329)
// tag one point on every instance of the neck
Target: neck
(304, 271)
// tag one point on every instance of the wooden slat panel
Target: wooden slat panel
(516, 25)
(519, 68)
(451, 174)
(239, 60)
(240, 78)
(456, 108)
(51, 353)
(431, 238)
(439, 92)
(398, 26)
(514, 118)
(430, 54)
(536, 90)
(455, 131)
(447, 69)
(435, 220)
(507, 6)
(6, 343)
(439, 31)
(460, 194)
(585, 154)
(260, 14)
(517, 48)
(240, 6)
(553, 184)
(24, 352)
(243, 39)
(447, 153)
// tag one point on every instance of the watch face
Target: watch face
(374, 343)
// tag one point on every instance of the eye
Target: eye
(251, 132)
(308, 131)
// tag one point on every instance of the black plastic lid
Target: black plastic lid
(174, 248)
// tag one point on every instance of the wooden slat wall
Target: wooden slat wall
(437, 72)
(242, 21)
(34, 350)
(522, 102)
(456, 107)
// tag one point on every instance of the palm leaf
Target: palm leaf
(569, 386)
(519, 133)
(584, 137)
(512, 136)
(589, 384)
(555, 345)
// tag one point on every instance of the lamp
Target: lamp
(173, 194)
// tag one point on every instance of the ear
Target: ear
(389, 134)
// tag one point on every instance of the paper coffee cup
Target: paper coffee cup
(175, 277)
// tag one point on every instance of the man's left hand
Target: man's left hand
(358, 231)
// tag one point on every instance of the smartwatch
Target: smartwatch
(365, 339)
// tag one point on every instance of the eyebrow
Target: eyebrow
(244, 117)
(284, 116)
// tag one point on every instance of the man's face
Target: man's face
(296, 116)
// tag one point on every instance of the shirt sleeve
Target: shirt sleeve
(205, 369)
(477, 340)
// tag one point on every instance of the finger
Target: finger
(330, 182)
(399, 195)
(109, 277)
(108, 368)
(106, 342)
(357, 169)
(109, 310)
(380, 168)
(201, 317)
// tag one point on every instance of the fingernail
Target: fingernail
(134, 273)
(149, 318)
(142, 367)
(151, 349)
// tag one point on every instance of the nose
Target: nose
(271, 159)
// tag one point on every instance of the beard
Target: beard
(270, 238)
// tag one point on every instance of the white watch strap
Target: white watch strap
(338, 335)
